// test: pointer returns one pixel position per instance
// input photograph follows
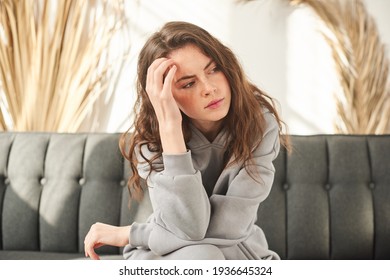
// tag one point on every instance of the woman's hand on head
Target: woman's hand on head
(159, 89)
(103, 234)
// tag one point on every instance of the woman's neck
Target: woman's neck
(209, 129)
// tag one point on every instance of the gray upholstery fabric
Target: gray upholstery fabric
(53, 187)
(330, 199)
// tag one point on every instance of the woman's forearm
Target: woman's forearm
(172, 139)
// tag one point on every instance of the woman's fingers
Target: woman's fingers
(103, 234)
(92, 254)
(155, 75)
(167, 87)
(159, 89)
(89, 249)
(92, 241)
(150, 74)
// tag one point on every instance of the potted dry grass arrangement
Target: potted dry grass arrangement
(56, 61)
(363, 105)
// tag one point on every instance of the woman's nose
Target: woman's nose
(208, 88)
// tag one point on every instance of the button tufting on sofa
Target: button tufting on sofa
(43, 181)
(82, 181)
(327, 187)
(334, 206)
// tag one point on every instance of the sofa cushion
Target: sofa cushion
(330, 197)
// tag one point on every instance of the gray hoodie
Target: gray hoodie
(196, 202)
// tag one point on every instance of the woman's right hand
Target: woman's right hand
(159, 89)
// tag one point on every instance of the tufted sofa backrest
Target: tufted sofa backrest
(330, 199)
(53, 187)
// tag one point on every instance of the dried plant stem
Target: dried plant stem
(54, 60)
(361, 62)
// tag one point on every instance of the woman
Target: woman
(204, 140)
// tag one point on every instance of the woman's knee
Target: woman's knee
(199, 252)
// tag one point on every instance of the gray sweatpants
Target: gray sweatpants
(193, 252)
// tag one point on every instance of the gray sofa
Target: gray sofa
(330, 199)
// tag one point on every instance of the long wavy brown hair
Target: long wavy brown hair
(244, 122)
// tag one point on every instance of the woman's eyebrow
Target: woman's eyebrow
(192, 76)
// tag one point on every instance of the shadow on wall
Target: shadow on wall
(284, 54)
(258, 31)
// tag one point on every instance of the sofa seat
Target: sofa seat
(330, 198)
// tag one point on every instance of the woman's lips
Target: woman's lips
(214, 104)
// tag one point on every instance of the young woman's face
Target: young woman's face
(200, 89)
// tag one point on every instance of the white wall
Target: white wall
(279, 46)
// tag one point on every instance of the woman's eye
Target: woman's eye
(214, 69)
(188, 85)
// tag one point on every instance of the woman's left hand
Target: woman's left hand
(103, 234)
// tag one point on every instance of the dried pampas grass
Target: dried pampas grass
(55, 61)
(360, 58)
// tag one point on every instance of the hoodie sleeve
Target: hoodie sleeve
(185, 215)
(234, 213)
(180, 203)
